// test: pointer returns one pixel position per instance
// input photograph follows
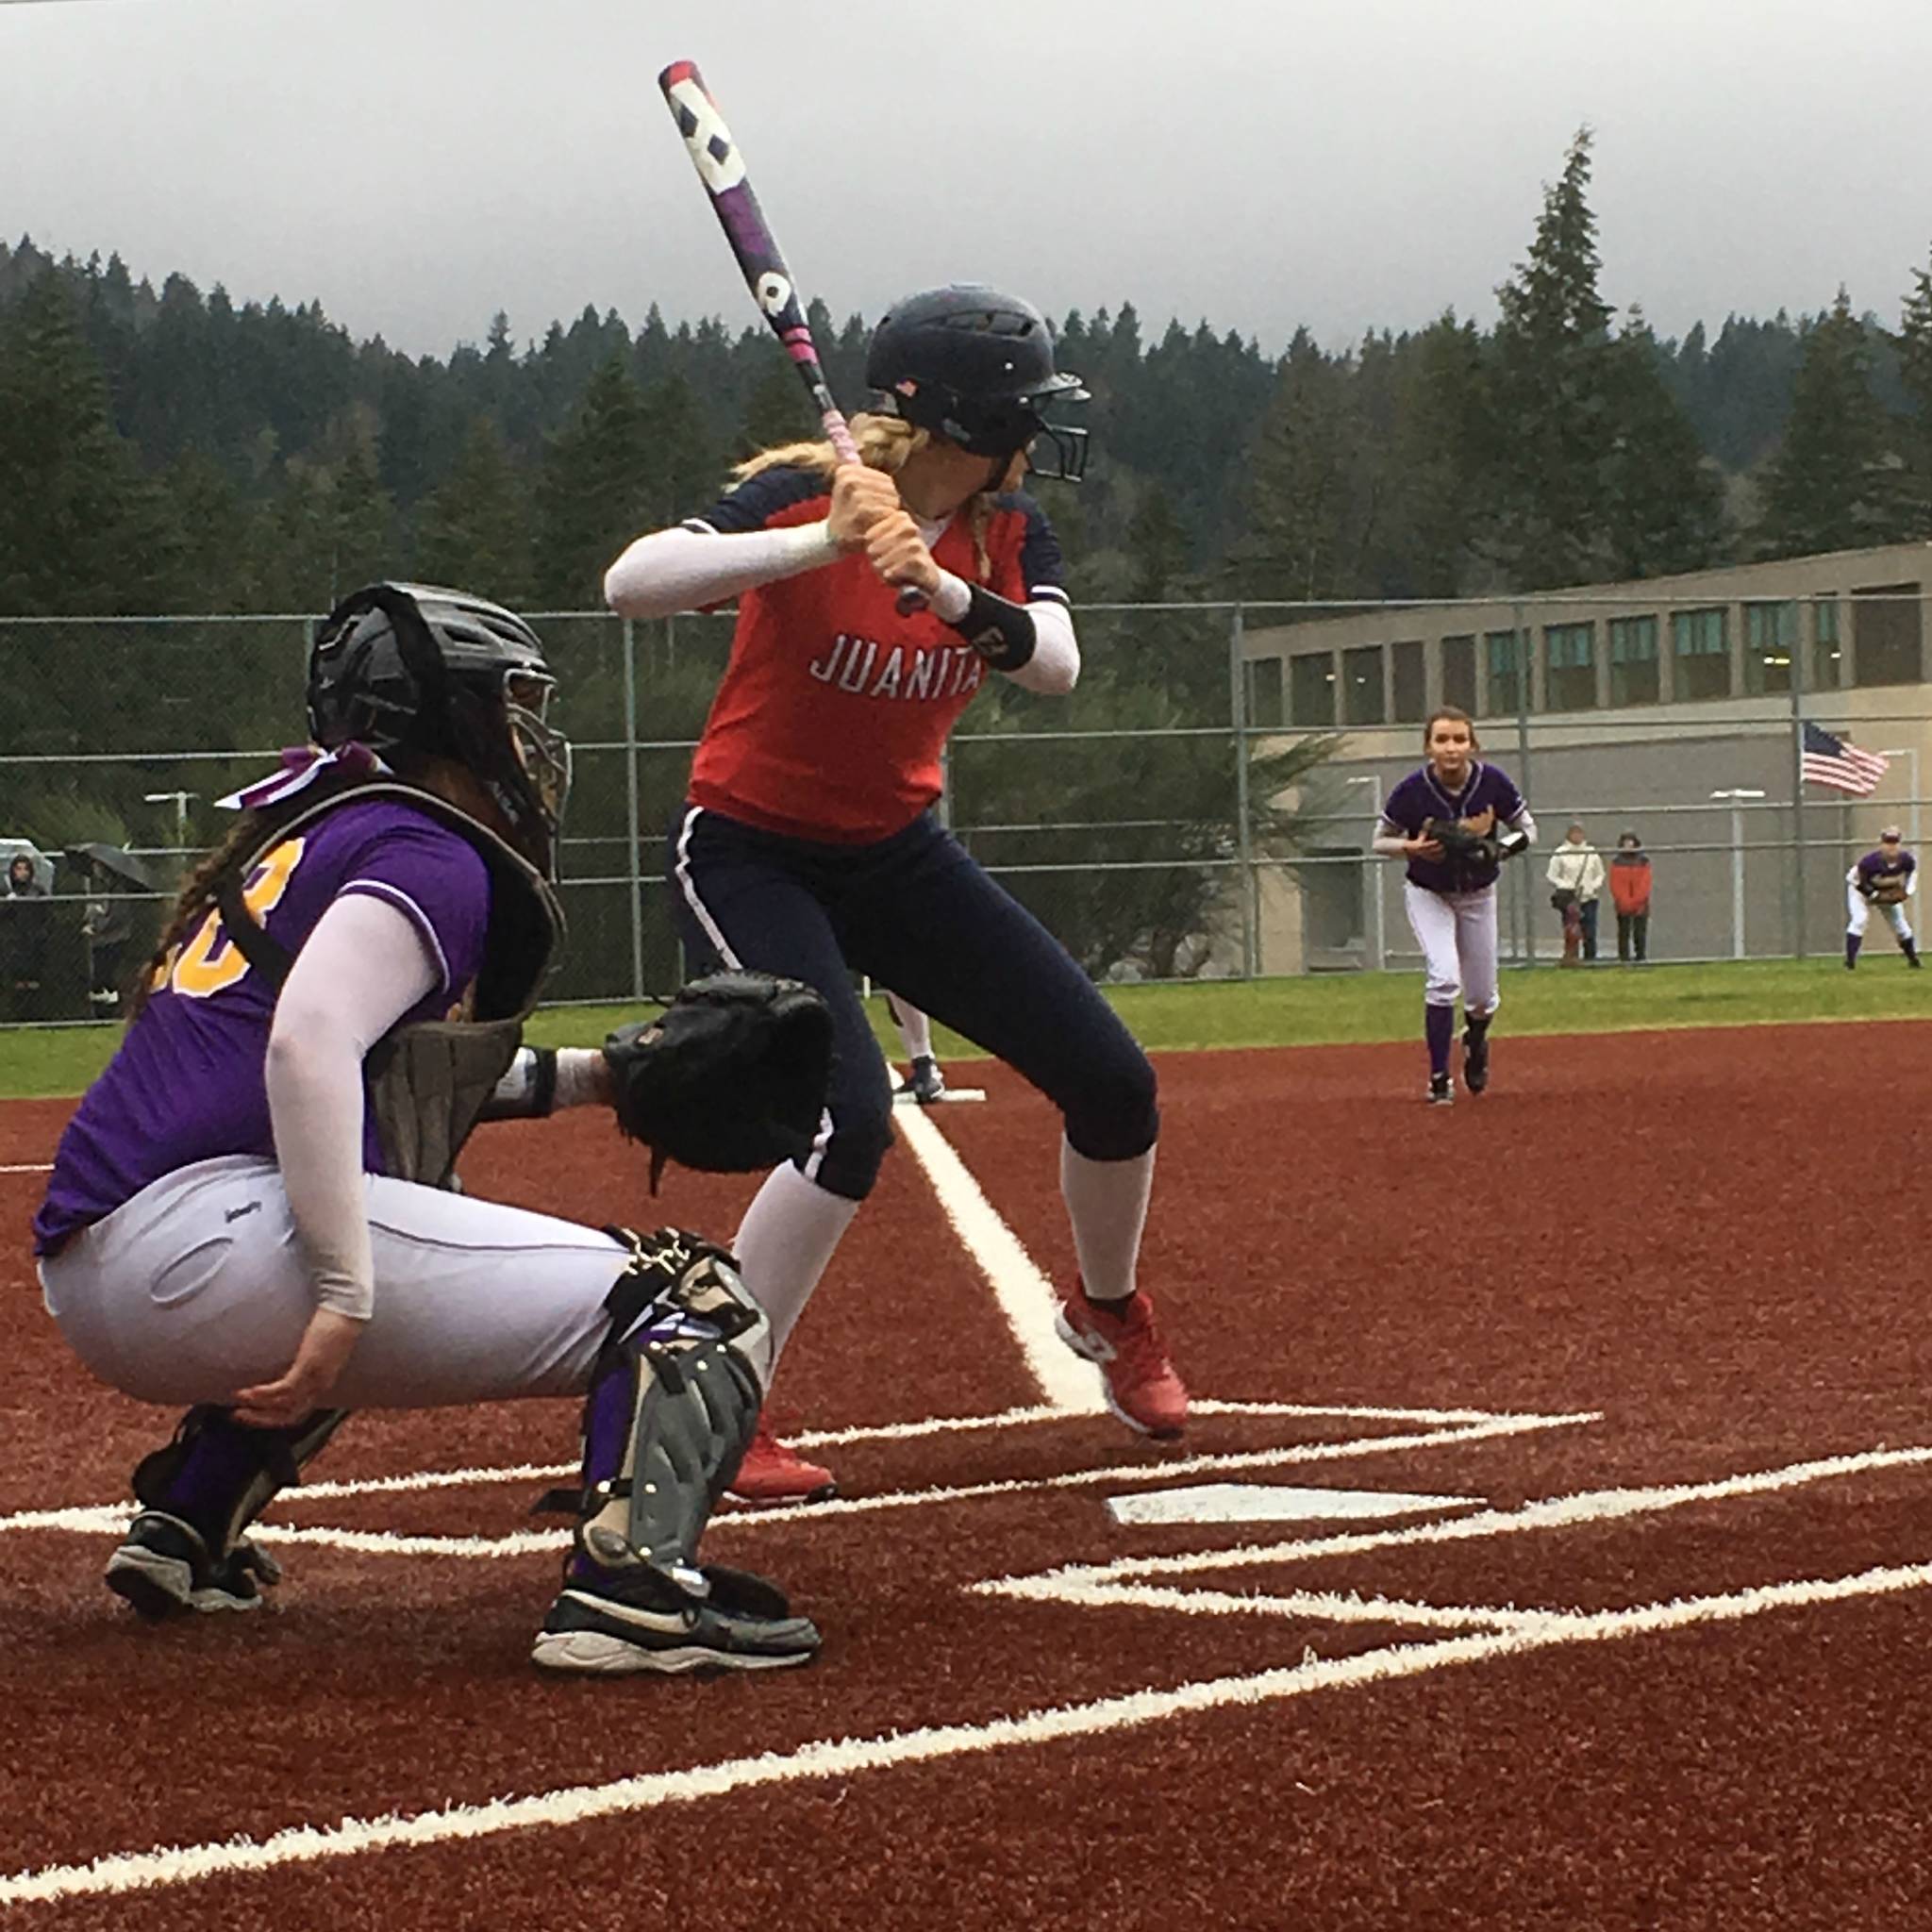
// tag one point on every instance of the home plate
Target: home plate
(904, 1096)
(1271, 1502)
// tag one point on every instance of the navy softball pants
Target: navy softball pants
(917, 914)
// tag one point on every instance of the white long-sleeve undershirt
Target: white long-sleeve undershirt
(361, 969)
(690, 569)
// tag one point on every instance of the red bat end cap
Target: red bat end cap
(679, 70)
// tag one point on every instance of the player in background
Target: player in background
(809, 844)
(1452, 821)
(249, 1211)
(1886, 878)
(923, 1080)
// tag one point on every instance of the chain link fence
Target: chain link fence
(1190, 812)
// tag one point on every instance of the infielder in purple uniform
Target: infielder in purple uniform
(249, 1213)
(1885, 878)
(1454, 821)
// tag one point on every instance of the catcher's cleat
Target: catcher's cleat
(1123, 1340)
(1442, 1090)
(772, 1471)
(1475, 1058)
(164, 1570)
(928, 1083)
(615, 1622)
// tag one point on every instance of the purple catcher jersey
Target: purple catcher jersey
(1421, 796)
(189, 1081)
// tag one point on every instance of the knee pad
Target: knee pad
(217, 1475)
(673, 1400)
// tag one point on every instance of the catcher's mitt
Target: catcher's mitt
(731, 1077)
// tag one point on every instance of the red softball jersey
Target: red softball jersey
(833, 711)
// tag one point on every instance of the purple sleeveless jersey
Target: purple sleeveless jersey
(1875, 869)
(188, 1083)
(1421, 796)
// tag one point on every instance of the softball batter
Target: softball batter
(1886, 878)
(810, 845)
(1454, 820)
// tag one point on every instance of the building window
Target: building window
(1362, 702)
(1311, 688)
(1409, 682)
(1264, 694)
(1633, 660)
(1570, 667)
(1702, 653)
(1771, 641)
(1887, 622)
(1503, 664)
(1828, 653)
(1458, 674)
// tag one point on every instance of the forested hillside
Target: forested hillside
(167, 451)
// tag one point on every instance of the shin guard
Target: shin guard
(673, 1404)
(217, 1475)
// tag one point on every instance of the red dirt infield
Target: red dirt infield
(1654, 1308)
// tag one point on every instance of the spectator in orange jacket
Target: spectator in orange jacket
(1630, 891)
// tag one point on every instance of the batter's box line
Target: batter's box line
(823, 1758)
(1467, 1425)
(1591, 1506)
(106, 1519)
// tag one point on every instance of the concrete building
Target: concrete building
(1625, 705)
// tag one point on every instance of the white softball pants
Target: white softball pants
(1457, 932)
(1859, 909)
(197, 1287)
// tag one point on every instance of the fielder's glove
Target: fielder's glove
(1892, 894)
(730, 1078)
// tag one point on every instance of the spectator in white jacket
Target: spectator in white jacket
(1576, 882)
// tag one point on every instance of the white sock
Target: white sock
(785, 1242)
(1107, 1202)
(915, 1029)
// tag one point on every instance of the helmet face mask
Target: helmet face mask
(977, 367)
(412, 672)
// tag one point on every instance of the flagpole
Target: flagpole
(1798, 784)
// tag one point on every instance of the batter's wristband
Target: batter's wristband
(1000, 631)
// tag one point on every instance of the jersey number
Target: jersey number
(208, 962)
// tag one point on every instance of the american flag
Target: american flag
(1823, 760)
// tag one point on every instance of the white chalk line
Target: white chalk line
(1025, 1296)
(1561, 1512)
(33, 1166)
(309, 1844)
(111, 1519)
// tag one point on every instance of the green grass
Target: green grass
(1331, 1010)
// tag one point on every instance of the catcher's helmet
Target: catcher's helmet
(403, 668)
(975, 366)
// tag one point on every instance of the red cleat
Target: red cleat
(774, 1472)
(1141, 1386)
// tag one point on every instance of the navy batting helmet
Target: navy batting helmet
(977, 367)
(405, 668)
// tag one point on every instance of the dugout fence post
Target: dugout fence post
(1244, 858)
(634, 858)
(1798, 778)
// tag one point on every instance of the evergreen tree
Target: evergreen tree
(1834, 484)
(1915, 376)
(596, 489)
(1546, 499)
(474, 531)
(777, 411)
(1663, 503)
(81, 528)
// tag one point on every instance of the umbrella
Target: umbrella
(118, 864)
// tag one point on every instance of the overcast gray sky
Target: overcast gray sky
(418, 164)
